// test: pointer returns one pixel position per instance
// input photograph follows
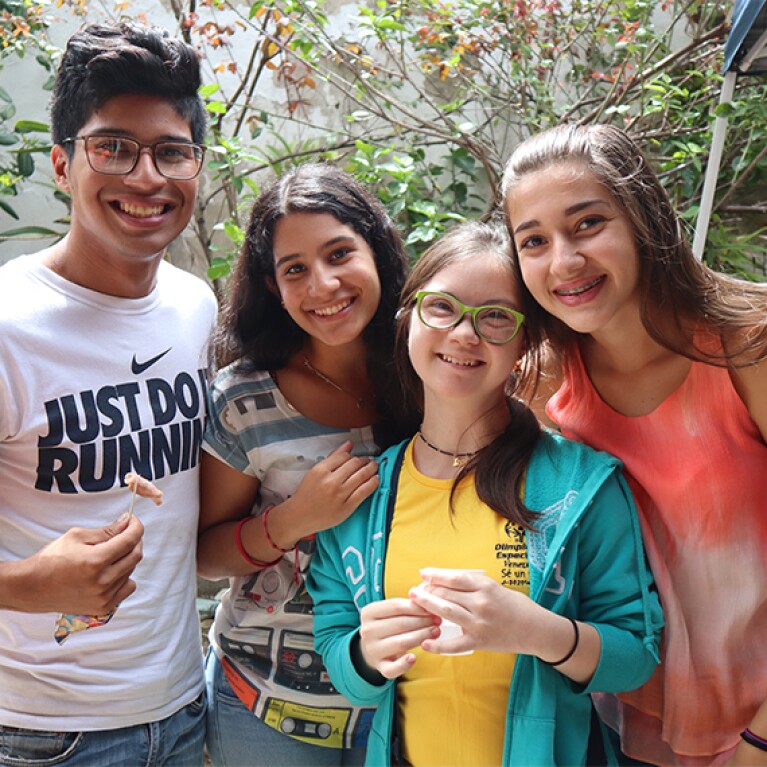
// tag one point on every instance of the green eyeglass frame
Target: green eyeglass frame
(475, 312)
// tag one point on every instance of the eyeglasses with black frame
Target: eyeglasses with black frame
(492, 323)
(118, 156)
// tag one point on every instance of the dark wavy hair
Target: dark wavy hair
(500, 466)
(255, 329)
(678, 293)
(107, 60)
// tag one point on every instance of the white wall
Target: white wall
(24, 80)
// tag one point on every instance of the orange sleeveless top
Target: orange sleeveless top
(698, 468)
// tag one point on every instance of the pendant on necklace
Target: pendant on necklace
(459, 459)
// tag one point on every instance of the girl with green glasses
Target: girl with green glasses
(525, 544)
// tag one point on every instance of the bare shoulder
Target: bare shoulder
(749, 371)
(750, 382)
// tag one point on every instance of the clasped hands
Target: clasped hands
(491, 618)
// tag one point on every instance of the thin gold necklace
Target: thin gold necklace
(459, 459)
(359, 401)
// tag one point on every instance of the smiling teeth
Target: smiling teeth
(331, 310)
(462, 363)
(578, 291)
(141, 212)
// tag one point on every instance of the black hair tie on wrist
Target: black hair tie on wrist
(572, 649)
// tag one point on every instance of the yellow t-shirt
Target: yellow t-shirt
(452, 709)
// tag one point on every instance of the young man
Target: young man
(102, 360)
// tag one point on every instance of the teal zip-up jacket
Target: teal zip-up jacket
(586, 561)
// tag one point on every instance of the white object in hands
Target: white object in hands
(448, 629)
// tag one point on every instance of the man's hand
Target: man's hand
(85, 571)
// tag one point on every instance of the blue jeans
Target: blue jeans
(173, 742)
(237, 738)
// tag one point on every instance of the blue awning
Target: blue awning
(746, 49)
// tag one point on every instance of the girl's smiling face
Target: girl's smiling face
(576, 248)
(326, 276)
(456, 362)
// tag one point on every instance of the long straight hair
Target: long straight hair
(678, 293)
(499, 467)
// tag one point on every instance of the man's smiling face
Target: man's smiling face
(119, 219)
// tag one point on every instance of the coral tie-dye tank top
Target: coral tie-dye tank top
(698, 468)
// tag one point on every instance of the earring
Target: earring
(517, 370)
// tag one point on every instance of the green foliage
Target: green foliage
(22, 32)
(434, 96)
(406, 183)
(424, 101)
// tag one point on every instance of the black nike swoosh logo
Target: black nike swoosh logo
(139, 367)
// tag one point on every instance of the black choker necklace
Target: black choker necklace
(459, 459)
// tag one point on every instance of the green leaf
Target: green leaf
(421, 234)
(26, 231)
(366, 149)
(31, 126)
(233, 232)
(465, 162)
(425, 207)
(8, 209)
(26, 164)
(391, 24)
(219, 270)
(5, 96)
(725, 110)
(8, 139)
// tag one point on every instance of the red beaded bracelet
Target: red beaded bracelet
(264, 516)
(243, 551)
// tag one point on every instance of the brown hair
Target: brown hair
(107, 60)
(500, 466)
(257, 331)
(677, 292)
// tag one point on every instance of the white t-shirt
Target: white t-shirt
(91, 387)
